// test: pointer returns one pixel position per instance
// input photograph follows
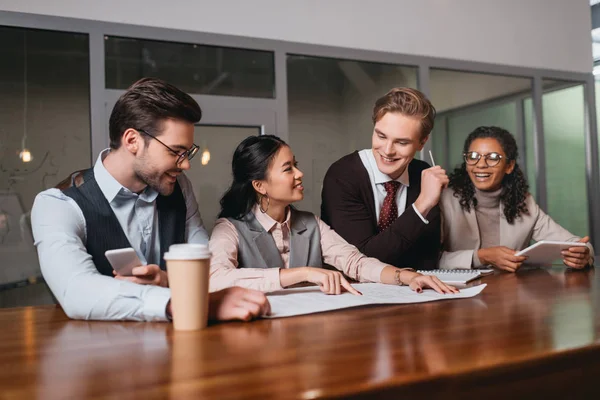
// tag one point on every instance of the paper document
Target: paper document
(309, 300)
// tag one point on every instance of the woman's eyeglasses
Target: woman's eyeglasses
(491, 159)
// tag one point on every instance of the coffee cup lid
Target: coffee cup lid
(187, 251)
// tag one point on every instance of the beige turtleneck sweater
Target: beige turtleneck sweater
(487, 213)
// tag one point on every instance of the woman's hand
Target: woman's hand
(418, 282)
(501, 257)
(577, 257)
(330, 282)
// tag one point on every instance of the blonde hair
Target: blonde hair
(409, 102)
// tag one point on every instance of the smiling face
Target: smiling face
(484, 177)
(283, 184)
(156, 165)
(396, 140)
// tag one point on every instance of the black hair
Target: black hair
(514, 185)
(251, 161)
(146, 104)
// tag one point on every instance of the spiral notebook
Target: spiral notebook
(458, 276)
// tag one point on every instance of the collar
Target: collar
(111, 188)
(380, 177)
(488, 199)
(266, 221)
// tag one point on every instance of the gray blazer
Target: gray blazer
(460, 233)
(257, 248)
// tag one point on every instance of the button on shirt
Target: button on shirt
(59, 230)
(378, 179)
(279, 231)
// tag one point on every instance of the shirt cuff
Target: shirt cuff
(273, 280)
(589, 246)
(476, 262)
(155, 304)
(370, 270)
(419, 214)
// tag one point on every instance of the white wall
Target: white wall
(534, 33)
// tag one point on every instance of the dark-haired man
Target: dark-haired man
(136, 195)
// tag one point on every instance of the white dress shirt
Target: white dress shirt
(59, 230)
(378, 179)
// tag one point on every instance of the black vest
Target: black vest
(102, 226)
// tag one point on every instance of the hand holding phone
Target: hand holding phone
(123, 261)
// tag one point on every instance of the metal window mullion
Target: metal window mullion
(281, 95)
(98, 114)
(423, 86)
(591, 160)
(520, 133)
(539, 144)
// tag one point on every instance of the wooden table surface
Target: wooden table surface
(527, 335)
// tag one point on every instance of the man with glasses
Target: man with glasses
(136, 195)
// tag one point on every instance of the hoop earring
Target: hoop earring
(260, 203)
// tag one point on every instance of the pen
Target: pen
(432, 162)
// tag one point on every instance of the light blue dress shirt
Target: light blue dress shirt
(59, 230)
(378, 179)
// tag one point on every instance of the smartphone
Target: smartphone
(123, 261)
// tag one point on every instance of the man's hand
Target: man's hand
(150, 274)
(501, 257)
(577, 257)
(237, 303)
(433, 181)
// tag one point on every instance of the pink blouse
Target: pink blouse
(224, 271)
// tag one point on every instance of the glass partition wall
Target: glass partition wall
(330, 103)
(564, 144)
(465, 101)
(44, 136)
(60, 78)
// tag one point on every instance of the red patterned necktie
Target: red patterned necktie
(389, 209)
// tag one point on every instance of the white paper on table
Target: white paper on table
(309, 300)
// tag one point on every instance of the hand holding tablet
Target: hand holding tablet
(576, 254)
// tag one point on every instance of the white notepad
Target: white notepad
(458, 276)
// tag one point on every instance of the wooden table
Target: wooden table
(534, 334)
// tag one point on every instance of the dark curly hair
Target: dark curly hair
(514, 185)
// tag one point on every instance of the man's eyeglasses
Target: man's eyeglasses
(189, 154)
(491, 159)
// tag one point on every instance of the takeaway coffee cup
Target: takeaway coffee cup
(188, 267)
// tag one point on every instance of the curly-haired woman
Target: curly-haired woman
(488, 213)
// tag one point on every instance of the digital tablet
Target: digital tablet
(546, 251)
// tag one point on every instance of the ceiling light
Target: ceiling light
(205, 156)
